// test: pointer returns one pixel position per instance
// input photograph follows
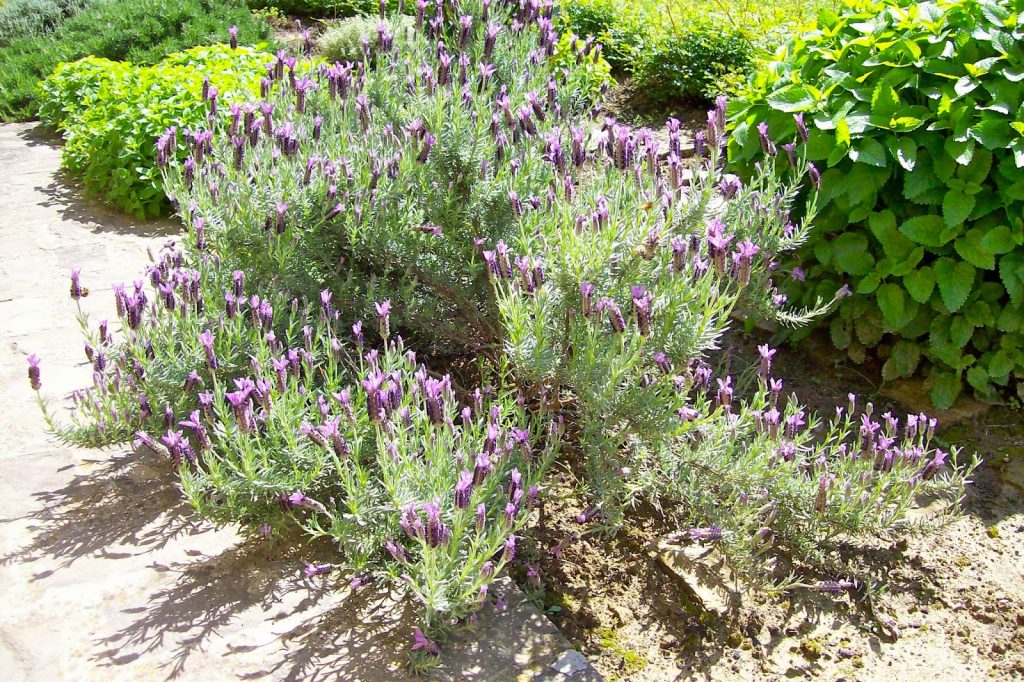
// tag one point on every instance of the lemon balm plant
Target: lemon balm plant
(109, 113)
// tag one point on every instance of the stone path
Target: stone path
(104, 573)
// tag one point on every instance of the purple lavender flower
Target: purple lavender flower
(509, 553)
(790, 150)
(233, 33)
(814, 175)
(384, 314)
(744, 258)
(586, 292)
(801, 127)
(195, 423)
(420, 641)
(437, 532)
(725, 392)
(178, 447)
(767, 145)
(835, 586)
(463, 489)
(615, 316)
(428, 143)
(481, 517)
(206, 339)
(642, 306)
(77, 291)
(312, 570)
(33, 372)
(717, 244)
(433, 396)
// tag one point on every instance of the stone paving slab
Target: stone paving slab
(105, 573)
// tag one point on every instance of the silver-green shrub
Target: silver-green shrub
(348, 39)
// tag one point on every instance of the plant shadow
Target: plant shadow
(68, 196)
(128, 500)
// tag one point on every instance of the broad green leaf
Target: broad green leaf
(850, 251)
(842, 132)
(926, 229)
(884, 101)
(906, 153)
(955, 280)
(920, 284)
(1010, 267)
(891, 302)
(883, 227)
(869, 151)
(971, 248)
(960, 330)
(998, 240)
(903, 360)
(945, 389)
(1000, 364)
(961, 152)
(792, 99)
(868, 284)
(956, 207)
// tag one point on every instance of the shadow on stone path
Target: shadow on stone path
(105, 572)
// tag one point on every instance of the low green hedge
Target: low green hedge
(326, 9)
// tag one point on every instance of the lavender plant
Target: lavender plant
(450, 187)
(384, 178)
(273, 416)
(623, 289)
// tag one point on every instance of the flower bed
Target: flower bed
(409, 284)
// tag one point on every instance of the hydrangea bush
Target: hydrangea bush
(450, 189)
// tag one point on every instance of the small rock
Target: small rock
(702, 570)
(570, 663)
(624, 615)
(669, 642)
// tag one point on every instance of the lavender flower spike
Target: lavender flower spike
(384, 312)
(420, 641)
(77, 291)
(33, 372)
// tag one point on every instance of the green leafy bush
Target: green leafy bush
(692, 61)
(111, 114)
(324, 8)
(343, 42)
(139, 31)
(915, 114)
(686, 48)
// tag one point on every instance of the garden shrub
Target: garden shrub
(110, 114)
(20, 18)
(693, 61)
(139, 31)
(343, 42)
(686, 48)
(328, 9)
(914, 115)
(451, 189)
